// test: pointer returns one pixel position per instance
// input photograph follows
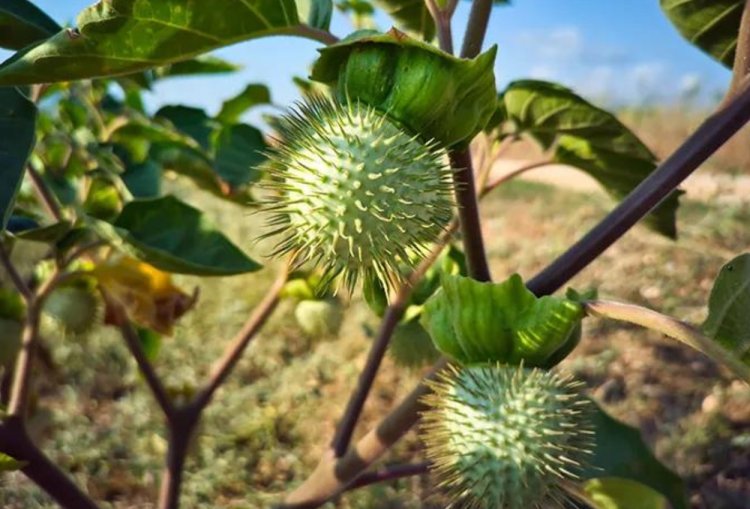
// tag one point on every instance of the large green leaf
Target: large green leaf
(240, 150)
(205, 64)
(254, 94)
(412, 15)
(728, 319)
(620, 452)
(22, 23)
(475, 322)
(17, 119)
(588, 138)
(116, 37)
(174, 237)
(712, 25)
(191, 121)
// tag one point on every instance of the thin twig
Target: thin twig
(671, 327)
(21, 386)
(238, 345)
(389, 473)
(513, 174)
(317, 34)
(388, 324)
(133, 342)
(45, 195)
(15, 276)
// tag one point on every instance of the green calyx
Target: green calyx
(474, 322)
(506, 437)
(356, 195)
(432, 93)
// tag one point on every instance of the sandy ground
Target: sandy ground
(707, 187)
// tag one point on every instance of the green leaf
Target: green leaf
(430, 92)
(616, 493)
(202, 65)
(588, 138)
(316, 13)
(48, 234)
(728, 319)
(17, 120)
(620, 452)
(143, 180)
(253, 95)
(712, 25)
(116, 37)
(476, 322)
(8, 464)
(174, 237)
(239, 151)
(22, 23)
(412, 15)
(150, 342)
(193, 122)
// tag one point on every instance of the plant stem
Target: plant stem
(468, 214)
(388, 325)
(45, 195)
(476, 28)
(234, 352)
(15, 276)
(706, 140)
(181, 431)
(15, 441)
(333, 475)
(317, 34)
(133, 343)
(513, 174)
(389, 473)
(671, 327)
(741, 68)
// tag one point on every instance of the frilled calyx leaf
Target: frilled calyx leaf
(355, 194)
(430, 92)
(506, 437)
(475, 322)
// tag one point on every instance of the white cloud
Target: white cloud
(562, 43)
(543, 72)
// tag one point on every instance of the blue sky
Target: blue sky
(611, 51)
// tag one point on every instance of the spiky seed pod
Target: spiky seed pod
(319, 318)
(506, 437)
(357, 195)
(75, 308)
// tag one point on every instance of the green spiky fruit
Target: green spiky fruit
(506, 437)
(74, 308)
(357, 195)
(319, 318)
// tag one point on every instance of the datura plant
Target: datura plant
(375, 177)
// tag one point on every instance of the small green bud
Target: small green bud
(74, 308)
(319, 318)
(357, 195)
(506, 437)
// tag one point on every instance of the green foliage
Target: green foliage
(434, 94)
(411, 346)
(316, 13)
(8, 464)
(50, 234)
(411, 15)
(712, 25)
(616, 493)
(124, 36)
(475, 322)
(254, 94)
(728, 320)
(620, 452)
(22, 23)
(174, 237)
(17, 118)
(585, 137)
